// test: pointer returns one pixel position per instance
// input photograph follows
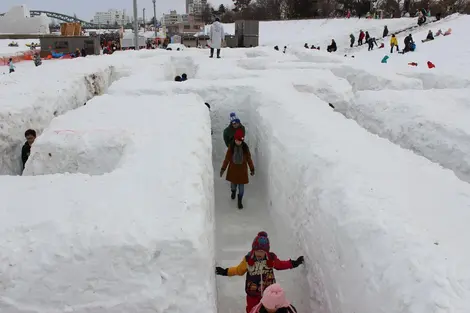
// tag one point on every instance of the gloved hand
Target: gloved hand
(252, 172)
(297, 262)
(222, 172)
(221, 271)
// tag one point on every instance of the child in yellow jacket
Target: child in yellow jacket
(258, 265)
(393, 43)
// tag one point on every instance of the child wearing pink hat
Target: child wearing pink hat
(274, 301)
(258, 265)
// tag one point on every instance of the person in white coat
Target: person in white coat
(216, 36)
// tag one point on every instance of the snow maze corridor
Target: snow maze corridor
(144, 216)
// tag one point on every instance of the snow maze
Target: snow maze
(142, 218)
(58, 97)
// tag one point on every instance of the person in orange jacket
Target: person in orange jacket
(258, 265)
(393, 43)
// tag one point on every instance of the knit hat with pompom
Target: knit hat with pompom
(261, 242)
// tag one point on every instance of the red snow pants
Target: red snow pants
(251, 302)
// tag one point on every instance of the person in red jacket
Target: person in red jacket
(361, 38)
(258, 265)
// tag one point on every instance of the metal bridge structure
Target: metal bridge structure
(71, 19)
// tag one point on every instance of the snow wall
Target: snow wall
(333, 196)
(48, 96)
(136, 236)
(18, 21)
(22, 109)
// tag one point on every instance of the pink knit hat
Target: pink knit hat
(274, 298)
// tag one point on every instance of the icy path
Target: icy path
(235, 230)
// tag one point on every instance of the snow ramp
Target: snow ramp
(122, 217)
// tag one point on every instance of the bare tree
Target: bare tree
(241, 5)
(207, 16)
(299, 9)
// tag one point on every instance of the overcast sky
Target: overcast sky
(85, 9)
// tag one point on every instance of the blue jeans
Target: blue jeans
(241, 188)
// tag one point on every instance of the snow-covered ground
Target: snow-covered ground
(321, 31)
(124, 202)
(6, 51)
(427, 108)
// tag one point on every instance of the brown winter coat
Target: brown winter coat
(238, 173)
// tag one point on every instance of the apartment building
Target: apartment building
(172, 18)
(195, 7)
(112, 17)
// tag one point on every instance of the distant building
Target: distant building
(112, 17)
(181, 24)
(195, 7)
(172, 18)
(189, 26)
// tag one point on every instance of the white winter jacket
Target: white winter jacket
(216, 35)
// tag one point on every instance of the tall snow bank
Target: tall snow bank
(435, 125)
(32, 99)
(377, 234)
(138, 239)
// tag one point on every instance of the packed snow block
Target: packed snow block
(439, 81)
(312, 55)
(375, 79)
(35, 105)
(137, 239)
(269, 64)
(321, 82)
(255, 53)
(178, 65)
(434, 125)
(211, 71)
(382, 229)
(92, 152)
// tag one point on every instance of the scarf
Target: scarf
(237, 155)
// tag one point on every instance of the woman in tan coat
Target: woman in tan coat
(238, 159)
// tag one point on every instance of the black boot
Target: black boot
(240, 204)
(233, 194)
